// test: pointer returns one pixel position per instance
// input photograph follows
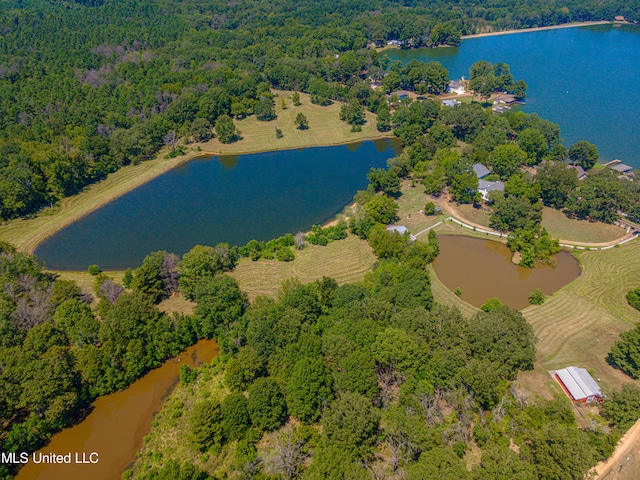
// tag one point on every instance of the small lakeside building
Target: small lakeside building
(456, 87)
(579, 385)
(579, 171)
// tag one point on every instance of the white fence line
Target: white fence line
(501, 235)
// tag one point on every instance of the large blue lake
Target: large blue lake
(218, 199)
(585, 79)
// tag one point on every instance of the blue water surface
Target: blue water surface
(218, 199)
(586, 79)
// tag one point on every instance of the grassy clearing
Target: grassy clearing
(85, 281)
(474, 215)
(578, 324)
(347, 261)
(325, 129)
(560, 226)
(412, 200)
(444, 296)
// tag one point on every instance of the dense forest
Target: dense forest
(398, 383)
(86, 87)
(375, 380)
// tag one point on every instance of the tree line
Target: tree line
(94, 98)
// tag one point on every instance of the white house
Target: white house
(456, 87)
(485, 188)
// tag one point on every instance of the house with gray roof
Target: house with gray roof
(579, 170)
(485, 188)
(480, 170)
(579, 385)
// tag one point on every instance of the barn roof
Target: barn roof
(579, 383)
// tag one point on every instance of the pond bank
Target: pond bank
(117, 424)
(27, 234)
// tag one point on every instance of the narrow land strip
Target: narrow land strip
(538, 29)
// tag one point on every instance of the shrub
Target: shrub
(536, 297)
(94, 270)
(285, 255)
(430, 208)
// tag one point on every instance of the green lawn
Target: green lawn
(325, 128)
(410, 202)
(560, 226)
(347, 261)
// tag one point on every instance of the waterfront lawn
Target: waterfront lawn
(325, 128)
(346, 261)
(560, 226)
(578, 324)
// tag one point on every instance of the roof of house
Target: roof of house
(490, 186)
(579, 170)
(579, 383)
(454, 84)
(480, 170)
(401, 229)
(619, 18)
(450, 103)
(506, 98)
(621, 167)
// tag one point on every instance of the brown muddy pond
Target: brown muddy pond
(116, 426)
(483, 269)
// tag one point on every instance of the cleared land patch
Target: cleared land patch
(346, 261)
(410, 202)
(325, 128)
(560, 226)
(579, 323)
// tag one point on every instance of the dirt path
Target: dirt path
(443, 202)
(623, 464)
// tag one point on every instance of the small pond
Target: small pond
(209, 200)
(483, 269)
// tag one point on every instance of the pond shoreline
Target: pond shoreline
(28, 233)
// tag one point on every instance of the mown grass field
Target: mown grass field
(347, 261)
(410, 202)
(325, 129)
(579, 323)
(560, 226)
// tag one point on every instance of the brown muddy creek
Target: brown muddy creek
(483, 269)
(116, 425)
